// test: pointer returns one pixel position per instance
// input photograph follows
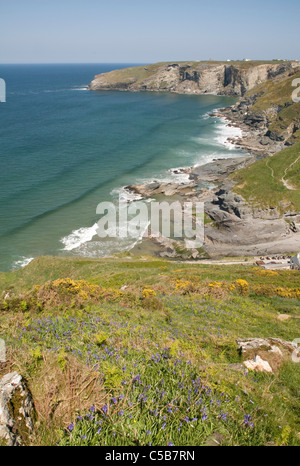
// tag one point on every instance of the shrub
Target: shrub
(242, 286)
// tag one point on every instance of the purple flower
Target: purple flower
(104, 409)
(247, 420)
(71, 427)
(170, 444)
(148, 432)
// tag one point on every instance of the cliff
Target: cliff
(221, 78)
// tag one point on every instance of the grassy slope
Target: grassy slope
(277, 92)
(261, 183)
(158, 364)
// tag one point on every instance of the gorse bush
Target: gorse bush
(155, 363)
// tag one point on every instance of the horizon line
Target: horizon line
(148, 63)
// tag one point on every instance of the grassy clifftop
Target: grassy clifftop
(224, 78)
(275, 181)
(143, 351)
(275, 101)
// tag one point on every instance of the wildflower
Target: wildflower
(71, 427)
(170, 444)
(247, 420)
(104, 409)
(148, 432)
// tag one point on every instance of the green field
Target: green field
(139, 351)
(272, 181)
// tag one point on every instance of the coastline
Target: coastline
(228, 214)
(235, 228)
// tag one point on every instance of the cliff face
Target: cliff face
(229, 78)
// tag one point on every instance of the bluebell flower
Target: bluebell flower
(104, 409)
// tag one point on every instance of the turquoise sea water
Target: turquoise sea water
(64, 149)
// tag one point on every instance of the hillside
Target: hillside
(223, 78)
(273, 182)
(272, 114)
(139, 351)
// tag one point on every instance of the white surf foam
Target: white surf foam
(124, 195)
(79, 89)
(79, 237)
(22, 262)
(225, 133)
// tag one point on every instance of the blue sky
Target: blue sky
(138, 31)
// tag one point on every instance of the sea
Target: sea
(65, 149)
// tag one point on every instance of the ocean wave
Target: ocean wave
(79, 237)
(225, 133)
(22, 262)
(84, 88)
(80, 242)
(124, 195)
(207, 115)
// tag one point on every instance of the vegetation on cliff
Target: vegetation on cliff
(143, 351)
(275, 181)
(223, 78)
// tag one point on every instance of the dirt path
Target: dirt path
(286, 184)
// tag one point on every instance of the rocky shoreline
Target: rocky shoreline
(233, 227)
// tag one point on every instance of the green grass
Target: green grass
(122, 370)
(261, 183)
(277, 93)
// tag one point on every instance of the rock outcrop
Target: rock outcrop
(265, 354)
(161, 188)
(16, 410)
(221, 78)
